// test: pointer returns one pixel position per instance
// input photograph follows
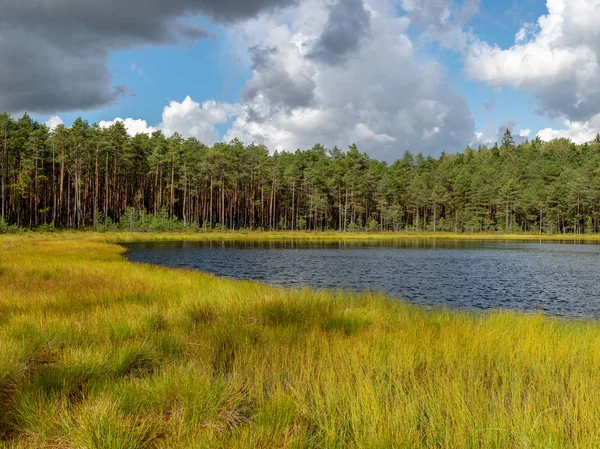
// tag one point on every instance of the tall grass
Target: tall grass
(116, 236)
(96, 352)
(336, 236)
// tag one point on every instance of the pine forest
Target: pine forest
(87, 177)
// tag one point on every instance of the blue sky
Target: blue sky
(497, 22)
(390, 75)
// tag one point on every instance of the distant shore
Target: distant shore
(136, 236)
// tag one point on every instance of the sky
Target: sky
(428, 76)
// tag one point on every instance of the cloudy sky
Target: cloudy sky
(389, 75)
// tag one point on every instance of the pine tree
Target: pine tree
(507, 140)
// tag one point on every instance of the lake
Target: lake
(555, 278)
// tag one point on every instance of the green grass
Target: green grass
(97, 352)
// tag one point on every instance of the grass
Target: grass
(97, 352)
(336, 236)
(341, 236)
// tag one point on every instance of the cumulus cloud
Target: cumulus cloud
(363, 133)
(348, 22)
(132, 126)
(55, 54)
(555, 59)
(380, 98)
(335, 72)
(53, 122)
(192, 119)
(443, 19)
(282, 78)
(188, 118)
(578, 132)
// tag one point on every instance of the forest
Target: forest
(88, 177)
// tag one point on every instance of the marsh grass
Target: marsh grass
(332, 236)
(97, 352)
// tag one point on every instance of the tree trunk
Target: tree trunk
(172, 209)
(211, 201)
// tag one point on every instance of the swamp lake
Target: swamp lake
(555, 278)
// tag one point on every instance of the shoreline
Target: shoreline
(427, 306)
(135, 236)
(94, 347)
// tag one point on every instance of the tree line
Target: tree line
(88, 177)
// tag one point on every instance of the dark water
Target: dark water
(555, 278)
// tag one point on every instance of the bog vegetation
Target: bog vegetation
(96, 352)
(88, 177)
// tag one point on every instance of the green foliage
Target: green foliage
(130, 220)
(373, 225)
(301, 224)
(107, 225)
(105, 179)
(140, 221)
(507, 140)
(589, 225)
(220, 228)
(46, 227)
(353, 227)
(6, 228)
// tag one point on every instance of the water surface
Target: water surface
(555, 278)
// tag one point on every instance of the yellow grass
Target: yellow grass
(97, 352)
(336, 236)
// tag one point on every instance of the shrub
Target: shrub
(46, 227)
(220, 228)
(353, 227)
(301, 224)
(373, 225)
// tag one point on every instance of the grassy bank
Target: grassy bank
(125, 236)
(341, 236)
(96, 352)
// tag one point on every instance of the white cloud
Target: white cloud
(484, 137)
(525, 132)
(578, 132)
(133, 126)
(362, 132)
(380, 97)
(556, 59)
(443, 19)
(192, 119)
(377, 95)
(521, 35)
(287, 131)
(188, 118)
(525, 33)
(54, 121)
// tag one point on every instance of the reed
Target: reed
(97, 352)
